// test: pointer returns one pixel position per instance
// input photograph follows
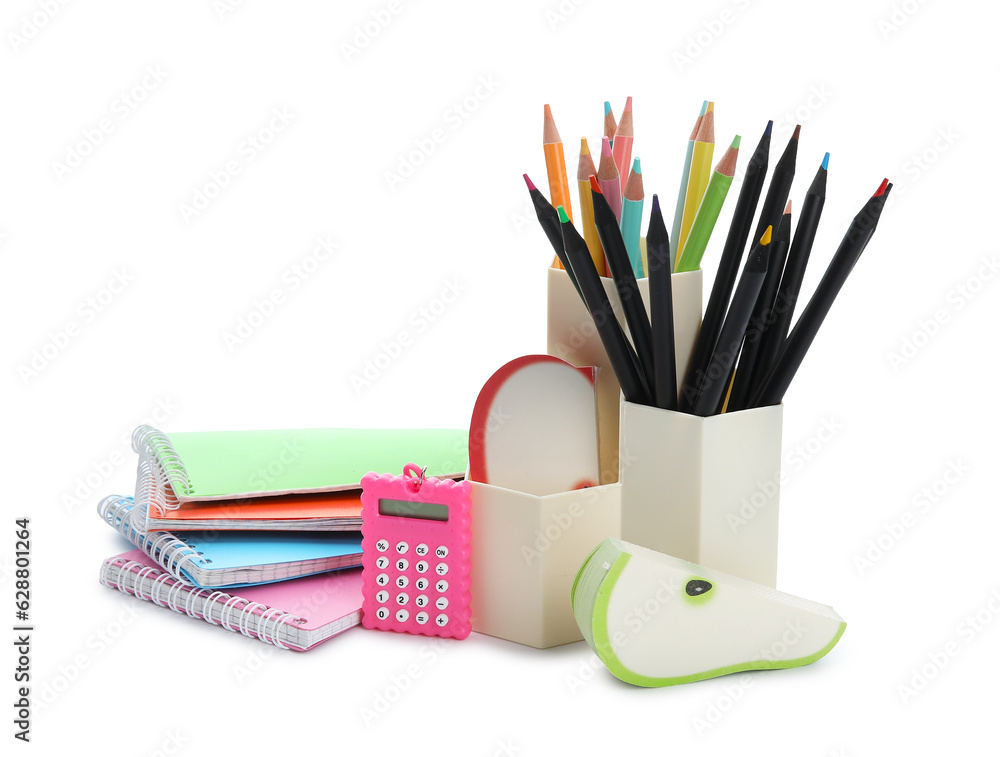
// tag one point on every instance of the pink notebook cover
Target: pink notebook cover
(324, 604)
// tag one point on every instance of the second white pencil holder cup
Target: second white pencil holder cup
(573, 337)
(526, 551)
(704, 489)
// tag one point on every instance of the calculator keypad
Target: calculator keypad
(421, 583)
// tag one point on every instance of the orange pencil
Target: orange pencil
(584, 171)
(555, 166)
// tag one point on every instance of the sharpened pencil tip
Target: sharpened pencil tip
(711, 107)
(607, 107)
(656, 204)
(584, 147)
(736, 142)
(704, 107)
(770, 125)
(594, 185)
(628, 103)
(563, 218)
(798, 128)
(788, 208)
(881, 188)
(605, 147)
(548, 111)
(826, 161)
(766, 239)
(531, 185)
(636, 167)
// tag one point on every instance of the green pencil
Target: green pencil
(631, 223)
(689, 258)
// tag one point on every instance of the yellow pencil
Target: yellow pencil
(584, 171)
(701, 170)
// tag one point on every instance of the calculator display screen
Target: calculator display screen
(406, 509)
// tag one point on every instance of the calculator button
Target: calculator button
(402, 563)
(382, 562)
(441, 585)
(402, 547)
(382, 613)
(441, 568)
(422, 600)
(422, 583)
(421, 549)
(382, 579)
(441, 552)
(402, 582)
(441, 603)
(422, 566)
(382, 597)
(402, 616)
(402, 598)
(382, 545)
(422, 617)
(441, 620)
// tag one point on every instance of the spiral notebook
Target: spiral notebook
(219, 465)
(323, 511)
(215, 559)
(295, 615)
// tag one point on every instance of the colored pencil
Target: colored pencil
(795, 268)
(621, 145)
(775, 383)
(701, 169)
(661, 310)
(584, 171)
(689, 258)
(622, 357)
(632, 200)
(607, 175)
(781, 183)
(548, 219)
(729, 267)
(716, 378)
(555, 166)
(743, 386)
(675, 233)
(610, 125)
(624, 277)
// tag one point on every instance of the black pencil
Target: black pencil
(548, 219)
(743, 386)
(781, 373)
(716, 377)
(661, 310)
(729, 268)
(777, 190)
(795, 268)
(620, 353)
(623, 275)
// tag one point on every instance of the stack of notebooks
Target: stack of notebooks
(276, 514)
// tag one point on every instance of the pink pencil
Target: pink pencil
(621, 147)
(607, 177)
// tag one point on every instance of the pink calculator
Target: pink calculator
(415, 535)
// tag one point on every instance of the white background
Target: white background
(893, 89)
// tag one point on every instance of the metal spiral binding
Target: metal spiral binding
(251, 619)
(152, 443)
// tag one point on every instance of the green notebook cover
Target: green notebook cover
(209, 465)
